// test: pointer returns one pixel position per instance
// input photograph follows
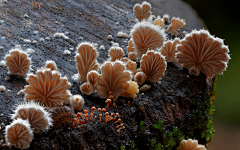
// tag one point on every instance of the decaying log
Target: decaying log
(182, 102)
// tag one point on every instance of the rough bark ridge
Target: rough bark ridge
(180, 107)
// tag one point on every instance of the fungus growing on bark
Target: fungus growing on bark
(130, 47)
(166, 17)
(19, 134)
(51, 65)
(140, 78)
(159, 22)
(142, 11)
(153, 65)
(190, 145)
(176, 24)
(131, 65)
(146, 36)
(200, 51)
(116, 53)
(37, 116)
(132, 91)
(2, 88)
(86, 60)
(130, 50)
(47, 88)
(18, 62)
(86, 88)
(92, 77)
(114, 78)
(77, 101)
(131, 55)
(169, 50)
(145, 87)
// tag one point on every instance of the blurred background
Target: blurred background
(222, 18)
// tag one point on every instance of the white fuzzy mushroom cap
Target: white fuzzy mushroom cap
(77, 102)
(37, 116)
(19, 134)
(146, 36)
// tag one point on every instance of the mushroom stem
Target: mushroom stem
(116, 116)
(117, 121)
(75, 120)
(100, 116)
(106, 118)
(119, 125)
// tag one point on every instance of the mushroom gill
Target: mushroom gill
(153, 64)
(114, 79)
(142, 11)
(146, 36)
(200, 51)
(86, 60)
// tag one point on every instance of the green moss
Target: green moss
(199, 126)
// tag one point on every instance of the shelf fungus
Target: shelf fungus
(92, 77)
(87, 88)
(176, 24)
(166, 17)
(142, 11)
(116, 53)
(153, 64)
(18, 62)
(19, 134)
(140, 78)
(190, 145)
(159, 22)
(201, 52)
(132, 91)
(51, 65)
(114, 79)
(77, 102)
(169, 50)
(146, 36)
(130, 50)
(37, 116)
(132, 66)
(86, 60)
(47, 88)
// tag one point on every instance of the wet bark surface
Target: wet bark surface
(93, 21)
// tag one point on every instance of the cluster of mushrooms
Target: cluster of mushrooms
(118, 76)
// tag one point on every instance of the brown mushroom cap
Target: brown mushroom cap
(176, 24)
(77, 101)
(169, 50)
(116, 53)
(132, 91)
(159, 22)
(114, 78)
(146, 36)
(131, 65)
(18, 62)
(130, 47)
(37, 116)
(200, 51)
(190, 145)
(86, 59)
(51, 65)
(142, 11)
(86, 88)
(92, 77)
(140, 78)
(19, 134)
(47, 88)
(153, 64)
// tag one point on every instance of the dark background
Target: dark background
(222, 18)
